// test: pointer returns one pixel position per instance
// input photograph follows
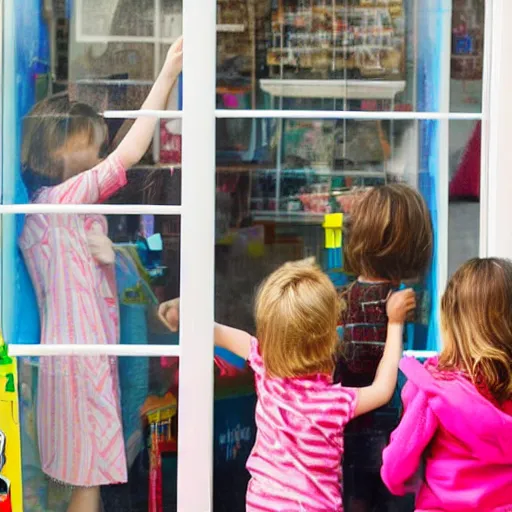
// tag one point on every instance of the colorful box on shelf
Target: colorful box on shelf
(150, 251)
(333, 225)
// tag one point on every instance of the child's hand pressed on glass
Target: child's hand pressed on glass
(399, 305)
(169, 314)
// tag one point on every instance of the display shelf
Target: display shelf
(323, 172)
(90, 38)
(288, 217)
(231, 27)
(336, 89)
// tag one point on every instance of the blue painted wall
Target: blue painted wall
(26, 54)
(432, 26)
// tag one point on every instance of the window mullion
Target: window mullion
(195, 440)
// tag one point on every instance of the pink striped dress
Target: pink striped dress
(79, 420)
(295, 464)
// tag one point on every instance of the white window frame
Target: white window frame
(496, 182)
(195, 443)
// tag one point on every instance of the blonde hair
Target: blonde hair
(389, 234)
(296, 316)
(476, 319)
(54, 124)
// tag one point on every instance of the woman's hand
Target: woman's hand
(100, 246)
(136, 142)
(399, 305)
(169, 314)
(174, 60)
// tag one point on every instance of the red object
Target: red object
(223, 370)
(5, 503)
(466, 182)
(158, 448)
(170, 145)
(5, 495)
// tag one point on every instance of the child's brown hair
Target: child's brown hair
(476, 320)
(53, 125)
(389, 234)
(296, 316)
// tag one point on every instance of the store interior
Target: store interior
(276, 180)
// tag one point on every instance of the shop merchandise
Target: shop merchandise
(328, 39)
(10, 452)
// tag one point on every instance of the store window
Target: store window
(314, 100)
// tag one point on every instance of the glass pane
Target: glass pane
(98, 421)
(308, 169)
(342, 54)
(315, 169)
(135, 18)
(113, 422)
(107, 275)
(58, 168)
(464, 217)
(465, 141)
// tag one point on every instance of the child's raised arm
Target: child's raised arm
(381, 390)
(236, 341)
(136, 142)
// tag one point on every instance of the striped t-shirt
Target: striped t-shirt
(295, 462)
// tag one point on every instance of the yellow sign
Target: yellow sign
(10, 426)
(333, 224)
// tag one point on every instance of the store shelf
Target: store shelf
(241, 167)
(230, 27)
(324, 172)
(233, 89)
(89, 38)
(338, 89)
(288, 217)
(108, 81)
(105, 39)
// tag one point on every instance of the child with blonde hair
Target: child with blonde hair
(301, 414)
(458, 406)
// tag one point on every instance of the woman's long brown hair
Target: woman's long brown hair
(476, 319)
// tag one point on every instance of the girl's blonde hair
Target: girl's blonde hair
(389, 234)
(51, 126)
(476, 319)
(296, 316)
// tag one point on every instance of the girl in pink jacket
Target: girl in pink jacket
(457, 422)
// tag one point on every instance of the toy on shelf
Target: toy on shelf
(11, 495)
(328, 38)
(160, 415)
(333, 226)
(150, 252)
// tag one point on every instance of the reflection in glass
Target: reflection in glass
(315, 169)
(464, 218)
(340, 54)
(148, 392)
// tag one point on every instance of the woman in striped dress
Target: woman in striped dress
(79, 421)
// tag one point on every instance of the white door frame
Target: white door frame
(496, 167)
(195, 463)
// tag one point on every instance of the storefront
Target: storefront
(285, 107)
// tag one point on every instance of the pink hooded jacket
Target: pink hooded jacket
(463, 441)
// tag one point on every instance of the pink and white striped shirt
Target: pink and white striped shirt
(78, 415)
(295, 464)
